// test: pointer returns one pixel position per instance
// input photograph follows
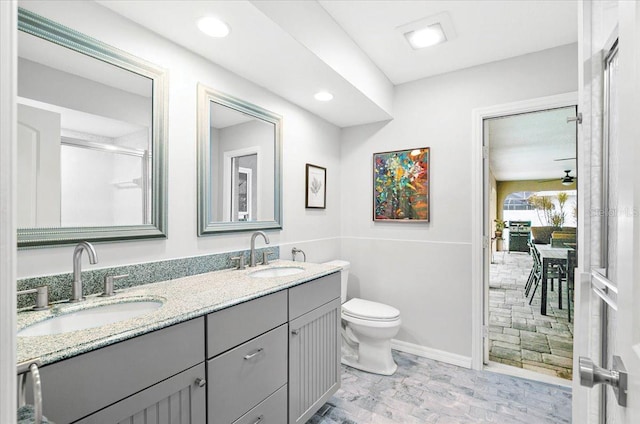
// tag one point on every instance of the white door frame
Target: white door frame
(478, 219)
(8, 160)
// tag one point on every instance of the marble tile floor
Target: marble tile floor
(431, 392)
(518, 334)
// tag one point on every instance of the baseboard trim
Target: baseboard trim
(431, 353)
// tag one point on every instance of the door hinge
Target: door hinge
(577, 118)
(485, 152)
(485, 242)
(485, 331)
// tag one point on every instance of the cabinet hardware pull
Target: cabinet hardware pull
(254, 353)
(201, 382)
(259, 419)
(295, 332)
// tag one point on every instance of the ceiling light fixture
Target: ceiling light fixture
(213, 27)
(428, 31)
(323, 96)
(426, 37)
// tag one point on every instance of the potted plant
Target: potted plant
(500, 226)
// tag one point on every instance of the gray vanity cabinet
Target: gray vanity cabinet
(314, 346)
(271, 360)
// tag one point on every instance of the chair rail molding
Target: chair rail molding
(480, 270)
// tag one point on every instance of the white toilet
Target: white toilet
(367, 330)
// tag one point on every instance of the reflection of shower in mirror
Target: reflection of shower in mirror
(97, 158)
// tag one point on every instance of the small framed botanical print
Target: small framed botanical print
(316, 184)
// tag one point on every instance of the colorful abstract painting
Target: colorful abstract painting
(401, 185)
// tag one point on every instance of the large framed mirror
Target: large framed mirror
(91, 139)
(239, 165)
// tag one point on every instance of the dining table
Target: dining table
(550, 256)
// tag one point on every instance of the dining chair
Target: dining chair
(570, 273)
(535, 275)
(552, 273)
(535, 269)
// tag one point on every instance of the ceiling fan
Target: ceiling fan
(565, 180)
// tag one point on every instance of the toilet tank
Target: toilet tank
(344, 277)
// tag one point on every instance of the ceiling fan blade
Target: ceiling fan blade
(558, 160)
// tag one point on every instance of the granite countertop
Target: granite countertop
(183, 299)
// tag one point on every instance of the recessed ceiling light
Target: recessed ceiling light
(323, 96)
(428, 31)
(426, 37)
(213, 27)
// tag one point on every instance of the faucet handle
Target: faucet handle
(108, 284)
(265, 257)
(240, 260)
(42, 297)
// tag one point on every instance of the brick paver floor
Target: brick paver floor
(518, 334)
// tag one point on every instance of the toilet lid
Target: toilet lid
(365, 309)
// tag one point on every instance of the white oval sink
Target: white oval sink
(277, 272)
(90, 318)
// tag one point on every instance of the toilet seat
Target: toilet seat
(369, 311)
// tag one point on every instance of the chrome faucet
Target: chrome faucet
(252, 254)
(76, 288)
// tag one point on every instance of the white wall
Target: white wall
(306, 138)
(425, 269)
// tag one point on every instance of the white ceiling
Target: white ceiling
(295, 48)
(528, 146)
(486, 31)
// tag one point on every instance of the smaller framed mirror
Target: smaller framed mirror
(239, 165)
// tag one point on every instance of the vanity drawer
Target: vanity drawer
(244, 376)
(273, 410)
(308, 296)
(237, 324)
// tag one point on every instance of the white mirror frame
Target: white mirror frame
(46, 29)
(207, 95)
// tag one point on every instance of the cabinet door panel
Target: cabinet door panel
(314, 360)
(177, 400)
